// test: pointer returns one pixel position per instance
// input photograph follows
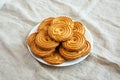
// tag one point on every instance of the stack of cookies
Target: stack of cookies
(58, 40)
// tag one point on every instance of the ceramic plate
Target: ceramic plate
(67, 63)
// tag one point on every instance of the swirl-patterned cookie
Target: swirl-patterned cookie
(63, 20)
(44, 41)
(40, 52)
(75, 43)
(31, 38)
(45, 24)
(71, 55)
(54, 58)
(86, 49)
(79, 27)
(60, 32)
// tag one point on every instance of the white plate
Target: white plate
(67, 63)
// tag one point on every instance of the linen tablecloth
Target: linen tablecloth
(101, 17)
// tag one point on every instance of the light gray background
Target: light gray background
(101, 17)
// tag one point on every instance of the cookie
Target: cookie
(45, 24)
(86, 49)
(60, 32)
(75, 43)
(79, 27)
(31, 38)
(44, 41)
(54, 58)
(40, 52)
(63, 20)
(71, 55)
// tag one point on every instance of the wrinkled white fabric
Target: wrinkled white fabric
(101, 17)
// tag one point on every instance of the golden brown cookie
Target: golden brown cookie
(60, 32)
(75, 43)
(86, 49)
(71, 55)
(40, 52)
(79, 27)
(54, 58)
(63, 20)
(45, 24)
(44, 41)
(31, 38)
